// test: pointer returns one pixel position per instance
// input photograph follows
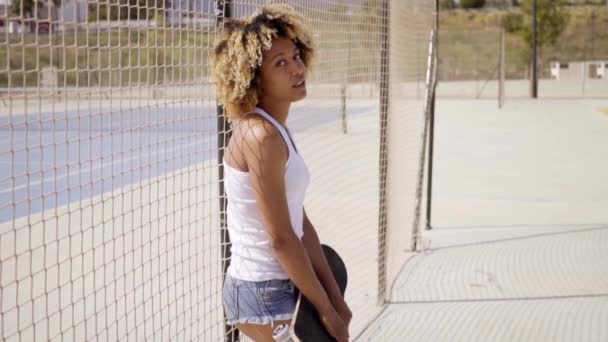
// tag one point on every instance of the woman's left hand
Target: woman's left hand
(343, 310)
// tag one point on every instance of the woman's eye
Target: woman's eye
(297, 57)
(281, 63)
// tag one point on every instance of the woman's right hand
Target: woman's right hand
(334, 324)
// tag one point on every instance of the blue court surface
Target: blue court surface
(50, 159)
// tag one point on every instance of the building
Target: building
(74, 11)
(3, 15)
(203, 12)
(578, 70)
(191, 12)
(49, 17)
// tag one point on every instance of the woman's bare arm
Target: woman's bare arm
(312, 244)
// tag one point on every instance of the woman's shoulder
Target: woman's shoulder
(257, 130)
(262, 146)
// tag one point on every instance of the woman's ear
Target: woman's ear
(257, 84)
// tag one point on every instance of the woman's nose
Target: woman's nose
(298, 69)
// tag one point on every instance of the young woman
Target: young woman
(260, 66)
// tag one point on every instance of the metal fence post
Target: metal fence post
(431, 142)
(535, 49)
(501, 77)
(223, 11)
(384, 97)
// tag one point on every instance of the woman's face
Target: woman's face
(283, 72)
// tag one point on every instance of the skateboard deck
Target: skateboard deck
(306, 325)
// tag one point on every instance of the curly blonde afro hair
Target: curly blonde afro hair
(238, 52)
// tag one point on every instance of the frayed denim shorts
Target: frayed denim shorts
(258, 302)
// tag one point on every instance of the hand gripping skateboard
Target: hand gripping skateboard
(306, 325)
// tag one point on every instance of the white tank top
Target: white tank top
(252, 256)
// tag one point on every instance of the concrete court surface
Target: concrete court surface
(519, 245)
(518, 220)
(38, 153)
(141, 261)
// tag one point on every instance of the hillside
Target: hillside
(469, 42)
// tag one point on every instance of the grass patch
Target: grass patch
(349, 49)
(469, 43)
(113, 57)
(166, 56)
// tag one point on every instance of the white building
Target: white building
(578, 70)
(203, 12)
(190, 12)
(74, 11)
(70, 12)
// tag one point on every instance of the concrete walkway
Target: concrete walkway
(519, 246)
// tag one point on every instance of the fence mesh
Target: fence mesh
(409, 48)
(518, 225)
(109, 203)
(574, 66)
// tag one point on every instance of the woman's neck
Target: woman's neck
(278, 109)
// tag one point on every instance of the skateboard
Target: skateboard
(306, 325)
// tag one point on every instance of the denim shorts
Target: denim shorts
(258, 302)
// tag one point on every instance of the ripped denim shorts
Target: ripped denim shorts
(258, 302)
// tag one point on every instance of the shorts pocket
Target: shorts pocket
(231, 298)
(275, 291)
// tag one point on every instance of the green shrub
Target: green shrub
(513, 22)
(466, 4)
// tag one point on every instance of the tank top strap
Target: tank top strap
(283, 130)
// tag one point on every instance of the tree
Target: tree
(466, 4)
(29, 6)
(552, 20)
(447, 4)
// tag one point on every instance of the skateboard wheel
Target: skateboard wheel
(281, 333)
